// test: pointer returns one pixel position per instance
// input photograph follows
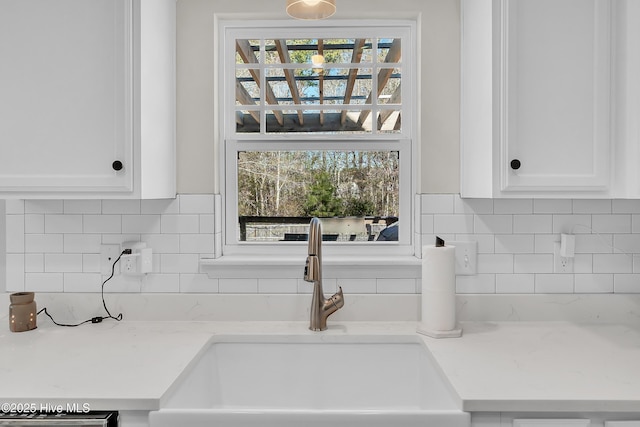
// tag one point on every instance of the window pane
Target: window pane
(389, 50)
(279, 191)
(318, 72)
(247, 51)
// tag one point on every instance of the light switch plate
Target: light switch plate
(466, 257)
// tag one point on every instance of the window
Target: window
(318, 121)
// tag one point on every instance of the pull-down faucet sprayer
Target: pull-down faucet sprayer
(321, 308)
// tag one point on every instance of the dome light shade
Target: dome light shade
(311, 9)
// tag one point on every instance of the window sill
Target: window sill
(374, 267)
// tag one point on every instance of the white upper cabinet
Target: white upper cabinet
(87, 98)
(539, 102)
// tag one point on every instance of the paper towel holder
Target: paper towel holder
(425, 328)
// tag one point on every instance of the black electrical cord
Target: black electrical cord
(96, 319)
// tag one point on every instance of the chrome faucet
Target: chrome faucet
(321, 308)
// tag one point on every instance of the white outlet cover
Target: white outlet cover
(108, 255)
(561, 264)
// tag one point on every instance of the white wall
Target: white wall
(439, 50)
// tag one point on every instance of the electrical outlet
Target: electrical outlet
(139, 262)
(108, 255)
(466, 258)
(129, 264)
(561, 264)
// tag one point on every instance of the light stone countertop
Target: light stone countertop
(494, 366)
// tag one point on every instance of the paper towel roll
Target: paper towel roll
(438, 288)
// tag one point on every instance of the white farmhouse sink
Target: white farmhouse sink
(309, 379)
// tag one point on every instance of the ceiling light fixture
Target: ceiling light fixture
(311, 9)
(317, 61)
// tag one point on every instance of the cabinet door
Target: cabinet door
(554, 62)
(65, 95)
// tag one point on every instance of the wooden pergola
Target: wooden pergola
(311, 120)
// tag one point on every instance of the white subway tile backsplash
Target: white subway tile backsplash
(513, 206)
(572, 224)
(593, 283)
(81, 243)
(197, 283)
(514, 243)
(493, 224)
(438, 203)
(82, 282)
(626, 283)
(515, 283)
(13, 206)
(357, 286)
(207, 224)
(179, 263)
(102, 224)
(63, 223)
(119, 284)
(43, 243)
(162, 243)
(54, 245)
(495, 263)
(543, 243)
(43, 206)
(592, 206)
(91, 263)
(486, 242)
(34, 263)
(15, 233)
(454, 224)
(238, 286)
(532, 224)
(636, 263)
(178, 224)
(217, 208)
(121, 206)
(82, 206)
(34, 223)
(593, 243)
(552, 206)
(472, 206)
(612, 263)
(397, 286)
(627, 243)
(161, 206)
(160, 283)
(477, 284)
(15, 272)
(426, 224)
(196, 243)
(625, 206)
(533, 263)
(140, 224)
(277, 286)
(63, 263)
(611, 223)
(583, 263)
(554, 283)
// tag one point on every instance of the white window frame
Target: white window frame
(230, 142)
